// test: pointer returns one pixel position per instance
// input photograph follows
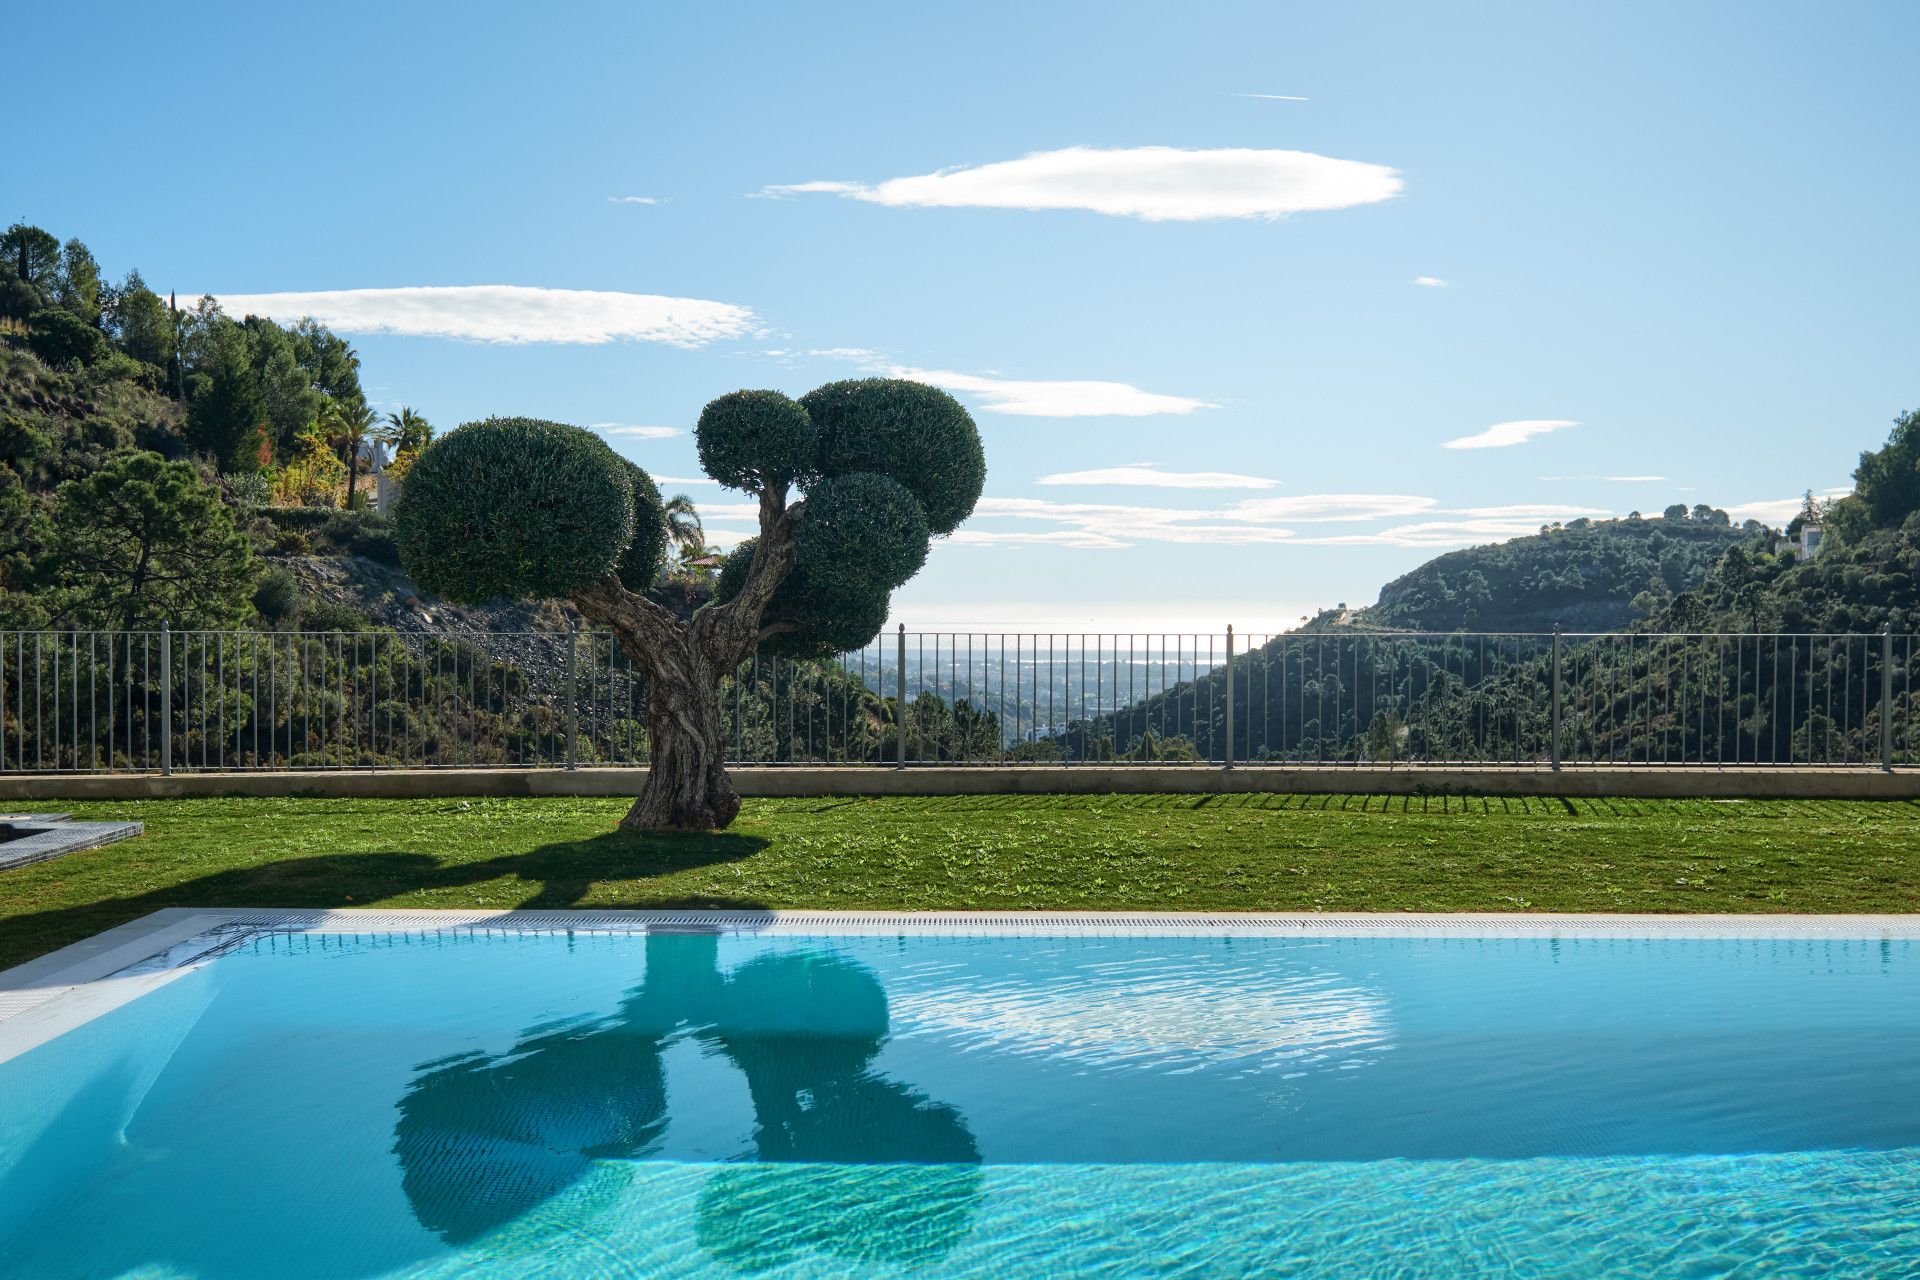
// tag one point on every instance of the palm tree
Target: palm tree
(683, 527)
(405, 431)
(348, 425)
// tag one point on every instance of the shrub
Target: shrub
(329, 615)
(912, 433)
(640, 563)
(277, 597)
(61, 338)
(751, 438)
(514, 507)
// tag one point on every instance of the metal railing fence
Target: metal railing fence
(169, 700)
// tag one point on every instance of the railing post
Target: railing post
(1229, 752)
(1556, 697)
(166, 700)
(900, 691)
(1886, 698)
(573, 701)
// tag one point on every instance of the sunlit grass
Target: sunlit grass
(1293, 853)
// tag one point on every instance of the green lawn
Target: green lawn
(1313, 853)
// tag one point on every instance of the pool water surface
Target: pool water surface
(732, 1101)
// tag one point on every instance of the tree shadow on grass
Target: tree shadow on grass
(557, 875)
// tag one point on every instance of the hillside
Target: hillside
(1338, 690)
(1589, 575)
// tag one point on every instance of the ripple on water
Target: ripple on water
(1174, 1013)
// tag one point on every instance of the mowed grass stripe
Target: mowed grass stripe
(1185, 852)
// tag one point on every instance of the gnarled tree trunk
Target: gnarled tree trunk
(687, 787)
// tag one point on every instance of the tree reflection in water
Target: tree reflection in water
(847, 1161)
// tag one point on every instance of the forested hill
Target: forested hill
(1588, 575)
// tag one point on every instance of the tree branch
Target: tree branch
(650, 627)
(729, 633)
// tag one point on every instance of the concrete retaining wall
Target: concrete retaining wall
(1669, 781)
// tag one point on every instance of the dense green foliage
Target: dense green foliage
(864, 535)
(646, 552)
(1865, 577)
(63, 339)
(144, 540)
(751, 439)
(514, 507)
(1086, 853)
(1587, 575)
(515, 515)
(896, 464)
(914, 434)
(95, 374)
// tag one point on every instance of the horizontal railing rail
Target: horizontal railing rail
(166, 700)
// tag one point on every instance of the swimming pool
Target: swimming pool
(385, 1095)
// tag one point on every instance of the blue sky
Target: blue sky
(1688, 231)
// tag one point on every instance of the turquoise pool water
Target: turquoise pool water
(538, 1105)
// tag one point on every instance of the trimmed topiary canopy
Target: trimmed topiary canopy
(528, 508)
(519, 507)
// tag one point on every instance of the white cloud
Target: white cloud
(1078, 539)
(1116, 525)
(1322, 508)
(858, 355)
(1259, 521)
(1054, 399)
(679, 482)
(506, 313)
(1159, 184)
(1032, 398)
(1778, 511)
(635, 432)
(1146, 475)
(634, 200)
(1534, 511)
(1437, 534)
(1430, 282)
(1271, 97)
(1502, 434)
(727, 511)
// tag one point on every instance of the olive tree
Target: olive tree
(853, 480)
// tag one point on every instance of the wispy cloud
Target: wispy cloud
(1271, 97)
(1146, 475)
(1531, 511)
(506, 313)
(1111, 526)
(1024, 397)
(1430, 282)
(633, 432)
(1032, 398)
(728, 512)
(1432, 534)
(1778, 511)
(1158, 184)
(1075, 539)
(1098, 526)
(1502, 434)
(1321, 508)
(858, 355)
(635, 200)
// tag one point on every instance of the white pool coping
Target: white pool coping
(47, 997)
